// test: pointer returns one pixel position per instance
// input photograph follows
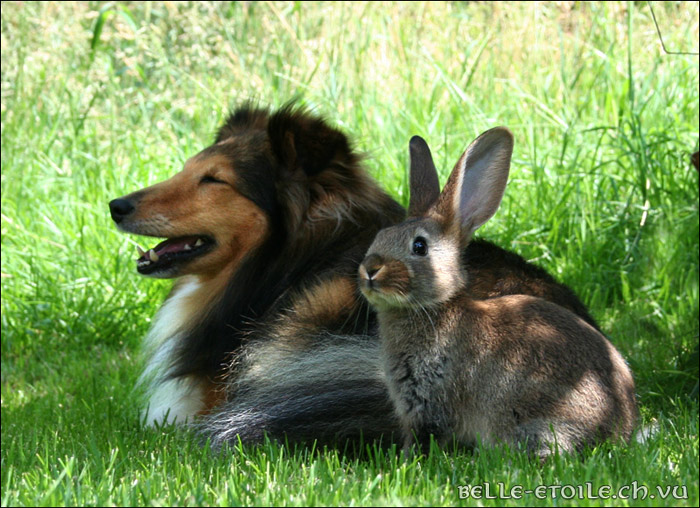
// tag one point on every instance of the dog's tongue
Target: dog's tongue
(185, 243)
(176, 245)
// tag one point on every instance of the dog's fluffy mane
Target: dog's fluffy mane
(304, 175)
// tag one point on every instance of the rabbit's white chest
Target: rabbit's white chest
(417, 385)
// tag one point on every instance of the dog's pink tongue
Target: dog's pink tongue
(178, 245)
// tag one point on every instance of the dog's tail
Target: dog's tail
(332, 391)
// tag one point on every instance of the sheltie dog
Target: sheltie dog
(264, 330)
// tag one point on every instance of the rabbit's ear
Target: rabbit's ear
(474, 190)
(425, 187)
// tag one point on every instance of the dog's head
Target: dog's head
(265, 174)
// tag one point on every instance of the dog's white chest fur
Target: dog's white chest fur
(170, 400)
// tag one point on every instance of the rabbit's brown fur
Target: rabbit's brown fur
(515, 369)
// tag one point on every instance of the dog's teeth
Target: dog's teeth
(152, 255)
(188, 247)
(198, 242)
(140, 251)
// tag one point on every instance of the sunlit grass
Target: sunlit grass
(601, 194)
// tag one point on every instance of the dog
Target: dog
(264, 331)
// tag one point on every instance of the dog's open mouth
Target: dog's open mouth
(174, 250)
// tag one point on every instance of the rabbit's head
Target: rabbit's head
(418, 262)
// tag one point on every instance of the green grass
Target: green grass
(101, 99)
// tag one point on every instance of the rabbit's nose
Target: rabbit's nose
(371, 266)
(371, 272)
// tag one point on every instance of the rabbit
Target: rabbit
(493, 271)
(512, 369)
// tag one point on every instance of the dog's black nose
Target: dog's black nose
(120, 208)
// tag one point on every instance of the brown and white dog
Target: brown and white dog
(264, 330)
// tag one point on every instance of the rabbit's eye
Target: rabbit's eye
(420, 246)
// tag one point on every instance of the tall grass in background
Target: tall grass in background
(100, 99)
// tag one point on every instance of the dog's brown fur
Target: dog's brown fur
(265, 331)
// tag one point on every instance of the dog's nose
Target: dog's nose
(120, 208)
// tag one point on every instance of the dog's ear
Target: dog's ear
(247, 117)
(302, 142)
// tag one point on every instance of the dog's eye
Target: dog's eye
(420, 246)
(210, 179)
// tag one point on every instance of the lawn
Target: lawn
(100, 99)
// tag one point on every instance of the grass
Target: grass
(102, 99)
